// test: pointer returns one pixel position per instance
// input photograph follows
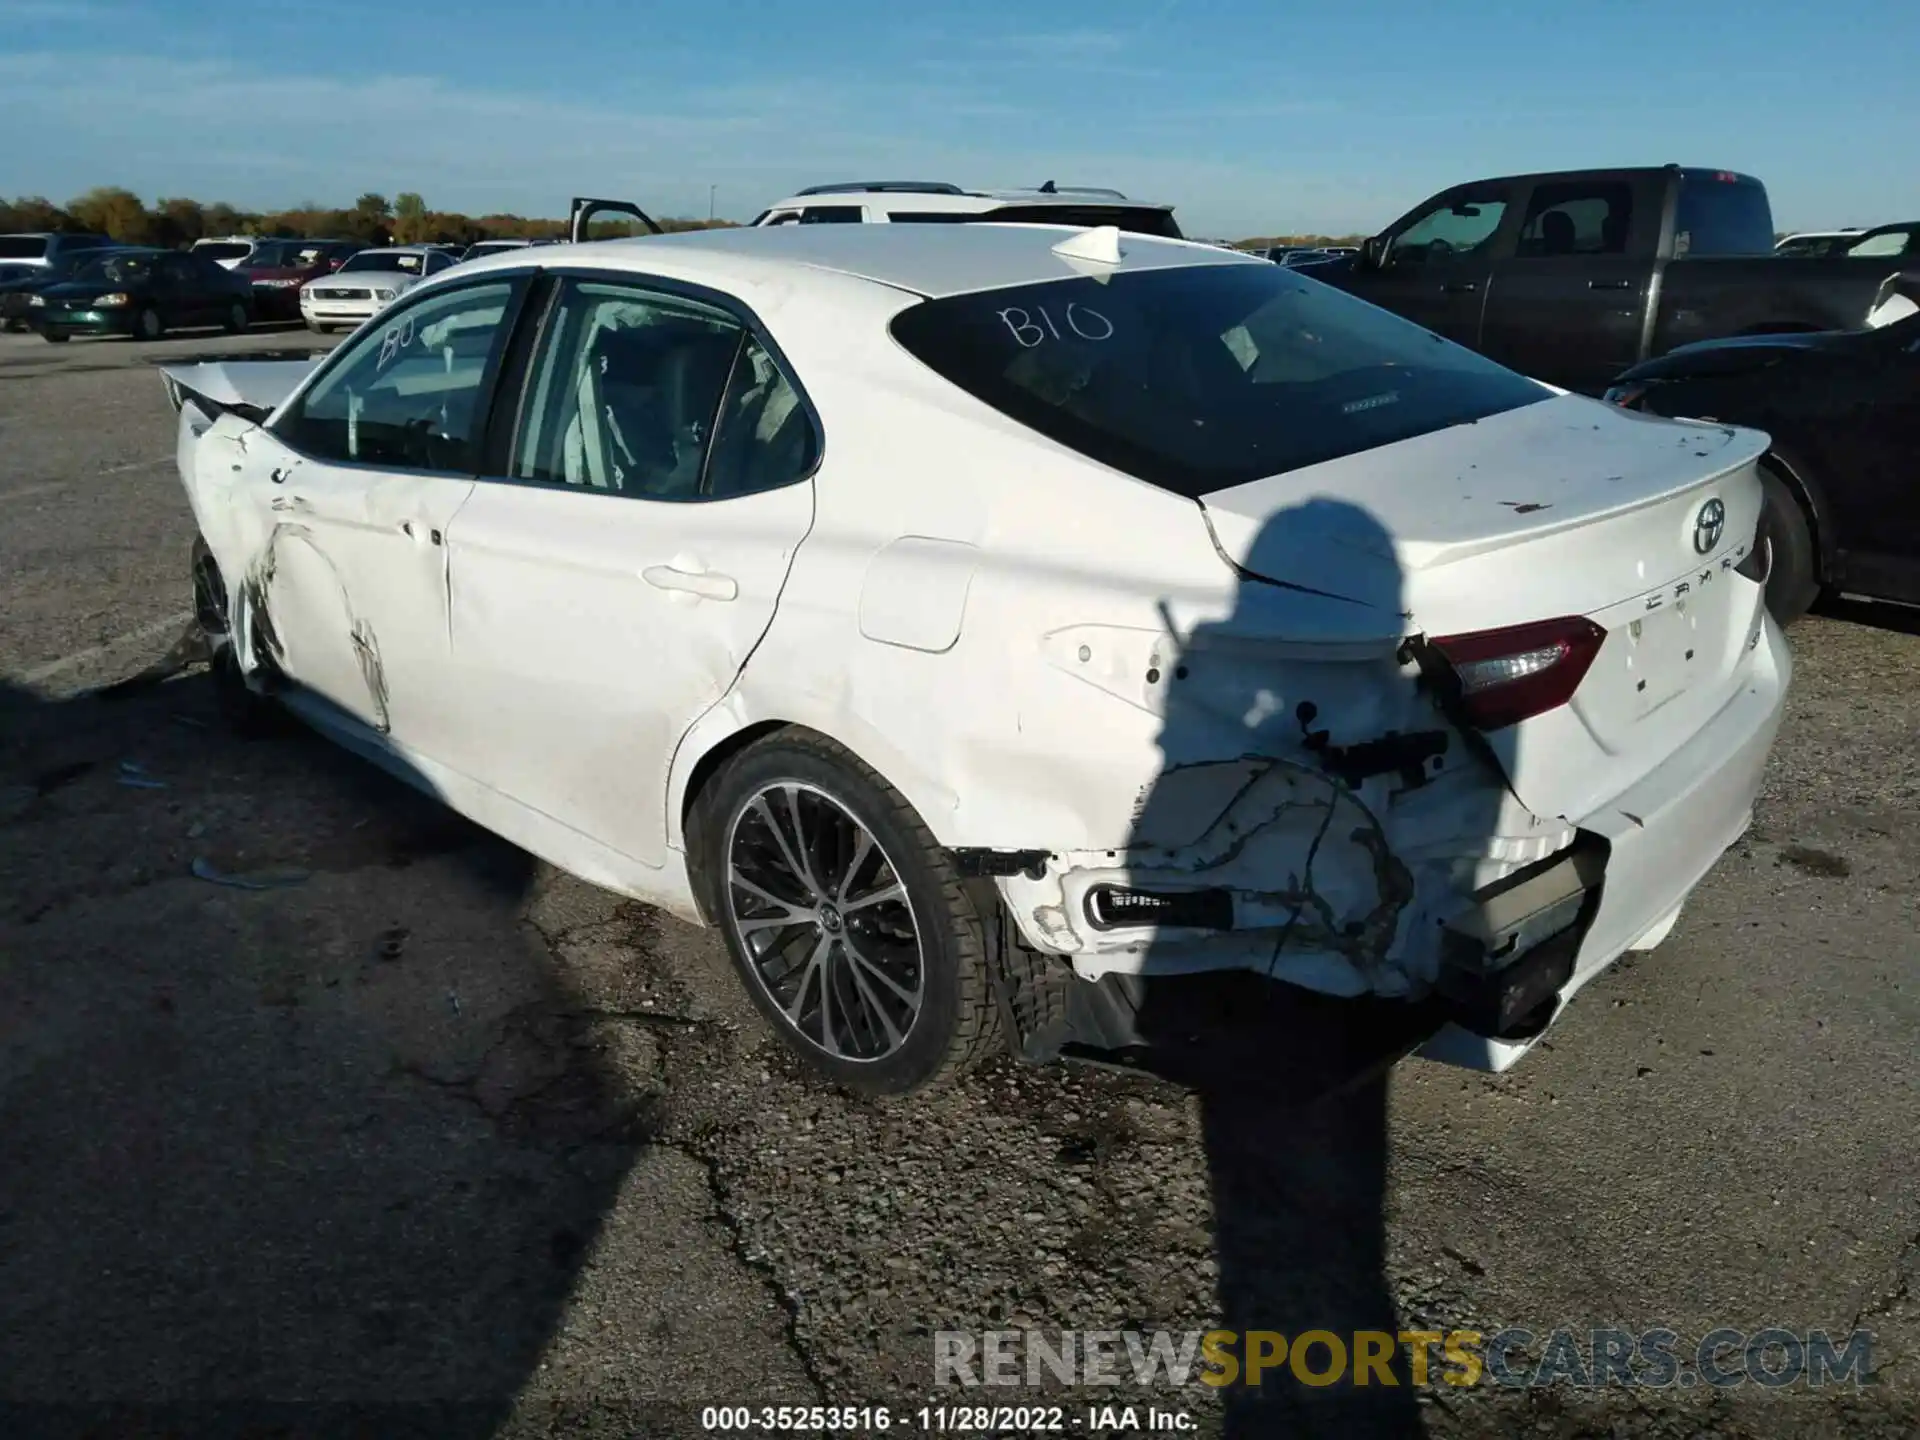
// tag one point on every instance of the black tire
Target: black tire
(248, 713)
(238, 319)
(318, 328)
(1793, 581)
(957, 1021)
(148, 325)
(53, 339)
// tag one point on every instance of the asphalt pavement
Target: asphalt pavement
(423, 1136)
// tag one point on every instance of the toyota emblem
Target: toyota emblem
(1707, 526)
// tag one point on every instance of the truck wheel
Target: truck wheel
(1793, 582)
(849, 924)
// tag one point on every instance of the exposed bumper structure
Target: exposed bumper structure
(1662, 837)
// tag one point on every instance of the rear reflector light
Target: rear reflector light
(1512, 674)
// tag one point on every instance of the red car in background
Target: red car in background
(278, 268)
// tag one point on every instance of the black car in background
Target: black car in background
(1571, 276)
(1843, 476)
(143, 293)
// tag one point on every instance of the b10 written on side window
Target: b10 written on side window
(407, 394)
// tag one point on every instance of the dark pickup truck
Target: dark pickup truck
(1573, 276)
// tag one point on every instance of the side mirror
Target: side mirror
(1373, 251)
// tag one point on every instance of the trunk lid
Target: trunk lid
(1564, 508)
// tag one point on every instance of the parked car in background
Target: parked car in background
(20, 280)
(47, 247)
(143, 293)
(1885, 242)
(366, 283)
(226, 251)
(1294, 255)
(493, 247)
(1509, 742)
(926, 202)
(1572, 276)
(278, 268)
(1804, 244)
(1843, 411)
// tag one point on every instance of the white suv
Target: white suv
(934, 202)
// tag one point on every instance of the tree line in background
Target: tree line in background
(373, 219)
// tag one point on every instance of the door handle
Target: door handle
(1459, 287)
(703, 583)
(280, 474)
(1609, 285)
(406, 528)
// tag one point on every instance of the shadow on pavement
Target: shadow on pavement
(1293, 1085)
(320, 1157)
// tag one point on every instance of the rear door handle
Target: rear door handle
(1609, 285)
(703, 583)
(1459, 287)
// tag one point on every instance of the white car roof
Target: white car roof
(396, 250)
(955, 201)
(928, 260)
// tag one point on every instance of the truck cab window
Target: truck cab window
(1577, 219)
(1458, 225)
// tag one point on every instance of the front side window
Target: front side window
(407, 393)
(1577, 219)
(1457, 226)
(624, 392)
(1206, 376)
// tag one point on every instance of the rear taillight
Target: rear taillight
(1512, 674)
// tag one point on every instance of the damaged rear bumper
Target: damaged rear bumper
(1494, 967)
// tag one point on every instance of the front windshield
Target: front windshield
(407, 262)
(271, 255)
(117, 270)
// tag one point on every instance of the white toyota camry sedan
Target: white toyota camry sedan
(991, 628)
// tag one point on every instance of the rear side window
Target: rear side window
(1206, 376)
(1887, 243)
(1577, 219)
(832, 215)
(23, 247)
(928, 217)
(1722, 216)
(1139, 219)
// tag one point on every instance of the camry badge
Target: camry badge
(1707, 526)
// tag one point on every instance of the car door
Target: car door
(1567, 306)
(612, 574)
(361, 475)
(1874, 508)
(1436, 267)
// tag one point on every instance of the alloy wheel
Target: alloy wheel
(823, 918)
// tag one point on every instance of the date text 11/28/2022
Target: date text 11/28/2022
(948, 1419)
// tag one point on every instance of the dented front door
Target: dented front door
(351, 598)
(359, 480)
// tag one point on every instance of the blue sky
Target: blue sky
(1253, 118)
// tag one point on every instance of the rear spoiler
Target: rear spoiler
(580, 219)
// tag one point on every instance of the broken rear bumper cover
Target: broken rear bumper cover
(1502, 959)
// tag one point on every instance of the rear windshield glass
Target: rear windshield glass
(223, 249)
(1199, 378)
(1140, 219)
(1722, 217)
(23, 247)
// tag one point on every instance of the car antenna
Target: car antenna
(1099, 246)
(1049, 188)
